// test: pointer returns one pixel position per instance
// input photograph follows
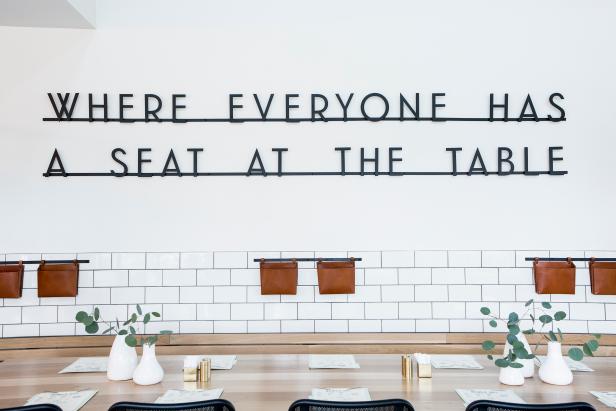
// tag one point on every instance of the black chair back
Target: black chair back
(37, 407)
(211, 405)
(380, 405)
(484, 405)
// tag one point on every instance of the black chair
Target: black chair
(484, 405)
(380, 405)
(211, 405)
(37, 407)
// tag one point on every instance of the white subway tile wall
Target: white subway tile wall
(219, 292)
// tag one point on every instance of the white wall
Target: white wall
(209, 50)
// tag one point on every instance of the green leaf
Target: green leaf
(511, 338)
(490, 357)
(97, 313)
(139, 309)
(552, 336)
(593, 345)
(108, 330)
(126, 322)
(560, 335)
(559, 315)
(488, 345)
(133, 318)
(521, 353)
(89, 320)
(132, 330)
(493, 323)
(516, 365)
(130, 340)
(518, 344)
(514, 329)
(146, 318)
(151, 340)
(502, 363)
(155, 314)
(597, 336)
(529, 331)
(586, 349)
(81, 316)
(166, 332)
(575, 354)
(547, 306)
(532, 317)
(545, 319)
(122, 332)
(513, 318)
(485, 311)
(92, 328)
(529, 302)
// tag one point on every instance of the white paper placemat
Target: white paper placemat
(465, 362)
(180, 396)
(87, 364)
(606, 397)
(573, 365)
(340, 394)
(332, 361)
(67, 400)
(475, 394)
(218, 362)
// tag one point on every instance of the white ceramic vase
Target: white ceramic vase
(528, 369)
(122, 360)
(511, 376)
(148, 371)
(554, 369)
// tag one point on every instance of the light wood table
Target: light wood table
(273, 382)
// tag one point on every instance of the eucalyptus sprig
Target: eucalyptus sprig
(517, 350)
(575, 353)
(537, 312)
(92, 322)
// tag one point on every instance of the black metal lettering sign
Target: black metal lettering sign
(372, 161)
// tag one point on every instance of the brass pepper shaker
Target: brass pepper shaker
(205, 367)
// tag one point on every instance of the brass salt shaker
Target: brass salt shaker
(407, 367)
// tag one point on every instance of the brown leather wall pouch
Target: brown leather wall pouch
(336, 277)
(602, 277)
(278, 277)
(11, 280)
(58, 280)
(554, 277)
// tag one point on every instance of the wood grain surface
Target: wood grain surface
(365, 343)
(273, 382)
